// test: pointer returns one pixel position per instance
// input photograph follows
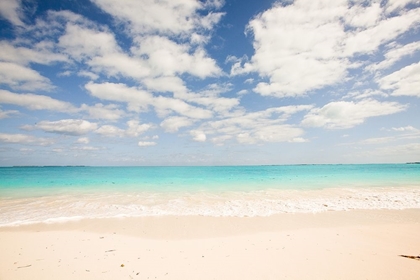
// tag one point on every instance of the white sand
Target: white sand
(331, 245)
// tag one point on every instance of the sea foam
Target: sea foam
(61, 208)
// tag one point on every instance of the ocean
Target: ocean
(58, 194)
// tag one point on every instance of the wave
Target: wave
(76, 206)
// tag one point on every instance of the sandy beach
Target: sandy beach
(330, 245)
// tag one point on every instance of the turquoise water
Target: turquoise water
(40, 194)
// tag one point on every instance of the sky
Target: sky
(209, 82)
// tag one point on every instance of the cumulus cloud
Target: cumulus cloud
(174, 123)
(149, 56)
(23, 78)
(405, 81)
(41, 53)
(198, 135)
(393, 152)
(168, 58)
(7, 113)
(395, 53)
(11, 10)
(85, 148)
(35, 101)
(24, 139)
(347, 114)
(256, 127)
(168, 17)
(394, 5)
(270, 133)
(110, 131)
(83, 140)
(134, 128)
(146, 143)
(407, 128)
(107, 112)
(99, 50)
(67, 126)
(139, 100)
(312, 44)
(210, 98)
(165, 105)
(165, 84)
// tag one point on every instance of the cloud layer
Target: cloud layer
(189, 80)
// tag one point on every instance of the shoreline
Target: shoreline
(330, 245)
(73, 205)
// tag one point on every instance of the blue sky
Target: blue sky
(186, 82)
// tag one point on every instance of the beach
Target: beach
(357, 244)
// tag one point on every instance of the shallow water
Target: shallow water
(52, 194)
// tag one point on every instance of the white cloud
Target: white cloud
(86, 148)
(165, 105)
(364, 17)
(135, 128)
(405, 81)
(408, 128)
(99, 50)
(198, 135)
(139, 100)
(105, 112)
(146, 143)
(24, 139)
(173, 124)
(150, 56)
(210, 98)
(299, 140)
(312, 44)
(394, 54)
(110, 131)
(67, 126)
(41, 53)
(364, 94)
(393, 5)
(168, 58)
(256, 127)
(35, 102)
(271, 133)
(296, 47)
(220, 140)
(83, 140)
(394, 153)
(169, 17)
(23, 78)
(67, 73)
(88, 74)
(165, 84)
(347, 114)
(368, 40)
(217, 4)
(153, 54)
(11, 10)
(8, 113)
(377, 140)
(82, 42)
